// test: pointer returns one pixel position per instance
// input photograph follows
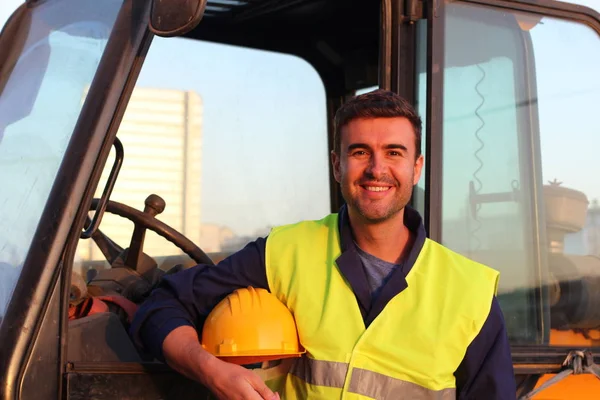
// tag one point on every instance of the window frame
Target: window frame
(46, 270)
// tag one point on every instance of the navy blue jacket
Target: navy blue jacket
(186, 298)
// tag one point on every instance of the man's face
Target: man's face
(376, 167)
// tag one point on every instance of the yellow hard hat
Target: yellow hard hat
(249, 326)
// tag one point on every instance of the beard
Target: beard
(375, 211)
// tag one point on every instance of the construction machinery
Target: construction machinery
(231, 102)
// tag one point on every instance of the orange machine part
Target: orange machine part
(580, 387)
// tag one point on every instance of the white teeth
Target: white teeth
(377, 188)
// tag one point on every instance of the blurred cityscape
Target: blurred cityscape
(163, 124)
(166, 124)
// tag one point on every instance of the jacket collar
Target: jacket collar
(412, 220)
(350, 264)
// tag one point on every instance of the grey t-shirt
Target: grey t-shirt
(377, 270)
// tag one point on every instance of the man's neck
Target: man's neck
(389, 240)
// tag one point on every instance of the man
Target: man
(382, 311)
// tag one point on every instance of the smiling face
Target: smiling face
(377, 167)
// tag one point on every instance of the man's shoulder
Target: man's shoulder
(460, 264)
(305, 225)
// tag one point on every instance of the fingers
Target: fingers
(247, 393)
(262, 389)
(231, 381)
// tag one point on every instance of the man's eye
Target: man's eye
(359, 153)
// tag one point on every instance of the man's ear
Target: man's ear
(418, 168)
(335, 162)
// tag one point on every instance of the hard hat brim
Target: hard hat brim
(247, 360)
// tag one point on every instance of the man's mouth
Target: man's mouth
(376, 188)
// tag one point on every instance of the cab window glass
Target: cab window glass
(519, 140)
(568, 92)
(418, 197)
(233, 139)
(42, 88)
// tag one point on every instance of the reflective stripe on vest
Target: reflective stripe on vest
(412, 348)
(379, 386)
(319, 372)
(363, 382)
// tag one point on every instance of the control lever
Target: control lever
(153, 206)
(110, 249)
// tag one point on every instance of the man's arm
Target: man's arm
(168, 322)
(486, 372)
(187, 297)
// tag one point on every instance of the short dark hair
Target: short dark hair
(376, 104)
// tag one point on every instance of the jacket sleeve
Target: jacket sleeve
(187, 297)
(486, 371)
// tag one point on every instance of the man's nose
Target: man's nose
(376, 167)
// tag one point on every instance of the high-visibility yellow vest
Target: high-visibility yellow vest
(412, 348)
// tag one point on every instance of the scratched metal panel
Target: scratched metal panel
(134, 386)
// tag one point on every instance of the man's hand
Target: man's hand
(183, 352)
(230, 381)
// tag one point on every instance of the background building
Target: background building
(161, 133)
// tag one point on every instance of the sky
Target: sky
(264, 155)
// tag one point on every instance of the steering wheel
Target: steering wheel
(131, 278)
(154, 205)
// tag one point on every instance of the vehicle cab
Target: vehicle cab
(138, 138)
